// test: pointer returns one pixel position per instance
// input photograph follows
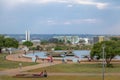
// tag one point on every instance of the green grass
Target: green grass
(5, 64)
(79, 68)
(64, 78)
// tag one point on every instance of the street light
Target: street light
(103, 61)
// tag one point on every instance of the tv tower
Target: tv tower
(27, 35)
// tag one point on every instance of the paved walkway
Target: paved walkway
(76, 74)
(19, 57)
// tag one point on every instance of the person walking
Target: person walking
(20, 65)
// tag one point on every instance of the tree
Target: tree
(11, 42)
(60, 41)
(44, 42)
(53, 40)
(112, 49)
(115, 38)
(68, 42)
(8, 42)
(28, 43)
(1, 42)
(82, 41)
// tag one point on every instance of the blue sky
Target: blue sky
(60, 16)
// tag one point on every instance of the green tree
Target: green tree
(115, 38)
(53, 40)
(8, 42)
(82, 41)
(68, 42)
(112, 49)
(44, 42)
(11, 42)
(60, 41)
(1, 42)
(28, 43)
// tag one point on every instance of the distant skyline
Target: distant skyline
(60, 16)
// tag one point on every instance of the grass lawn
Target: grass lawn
(5, 64)
(63, 68)
(79, 68)
(64, 78)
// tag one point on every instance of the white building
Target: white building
(72, 39)
(36, 42)
(85, 41)
(27, 35)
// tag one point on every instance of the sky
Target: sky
(60, 16)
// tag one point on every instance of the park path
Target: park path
(15, 57)
(19, 57)
(12, 72)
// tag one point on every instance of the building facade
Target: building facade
(98, 39)
(71, 39)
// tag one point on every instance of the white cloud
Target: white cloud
(69, 5)
(51, 22)
(67, 23)
(89, 20)
(75, 21)
(99, 5)
(81, 21)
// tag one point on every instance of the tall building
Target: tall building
(98, 39)
(27, 35)
(101, 38)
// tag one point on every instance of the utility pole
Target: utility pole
(103, 61)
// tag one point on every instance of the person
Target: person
(48, 59)
(36, 58)
(78, 60)
(10, 52)
(42, 59)
(89, 59)
(20, 65)
(33, 51)
(51, 59)
(25, 52)
(45, 73)
(40, 74)
(63, 61)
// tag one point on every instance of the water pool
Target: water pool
(79, 53)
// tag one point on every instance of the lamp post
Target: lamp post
(103, 67)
